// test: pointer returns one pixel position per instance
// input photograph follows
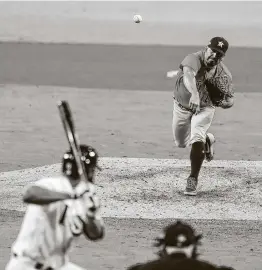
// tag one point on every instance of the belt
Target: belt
(38, 265)
(182, 107)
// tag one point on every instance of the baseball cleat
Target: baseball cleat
(210, 140)
(191, 186)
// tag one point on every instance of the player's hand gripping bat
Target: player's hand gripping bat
(72, 137)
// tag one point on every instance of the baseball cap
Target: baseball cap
(218, 44)
(179, 235)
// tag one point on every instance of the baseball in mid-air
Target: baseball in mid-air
(137, 18)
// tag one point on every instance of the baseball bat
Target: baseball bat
(72, 137)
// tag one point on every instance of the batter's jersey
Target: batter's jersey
(196, 62)
(46, 232)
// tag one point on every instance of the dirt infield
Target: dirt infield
(32, 135)
(153, 188)
(130, 123)
(240, 249)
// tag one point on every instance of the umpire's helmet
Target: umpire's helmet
(89, 157)
(179, 238)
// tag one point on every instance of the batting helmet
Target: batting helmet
(89, 156)
(178, 238)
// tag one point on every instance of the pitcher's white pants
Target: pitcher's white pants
(188, 127)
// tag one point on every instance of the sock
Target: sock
(197, 156)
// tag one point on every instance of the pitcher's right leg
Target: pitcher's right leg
(181, 125)
(182, 133)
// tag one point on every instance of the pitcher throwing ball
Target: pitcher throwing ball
(203, 83)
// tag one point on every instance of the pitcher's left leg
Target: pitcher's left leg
(199, 131)
(200, 124)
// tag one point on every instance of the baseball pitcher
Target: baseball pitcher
(203, 82)
(59, 210)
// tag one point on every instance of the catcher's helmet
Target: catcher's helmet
(179, 238)
(90, 158)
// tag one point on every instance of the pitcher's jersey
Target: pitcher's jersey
(45, 234)
(196, 62)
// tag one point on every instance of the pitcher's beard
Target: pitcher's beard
(210, 62)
